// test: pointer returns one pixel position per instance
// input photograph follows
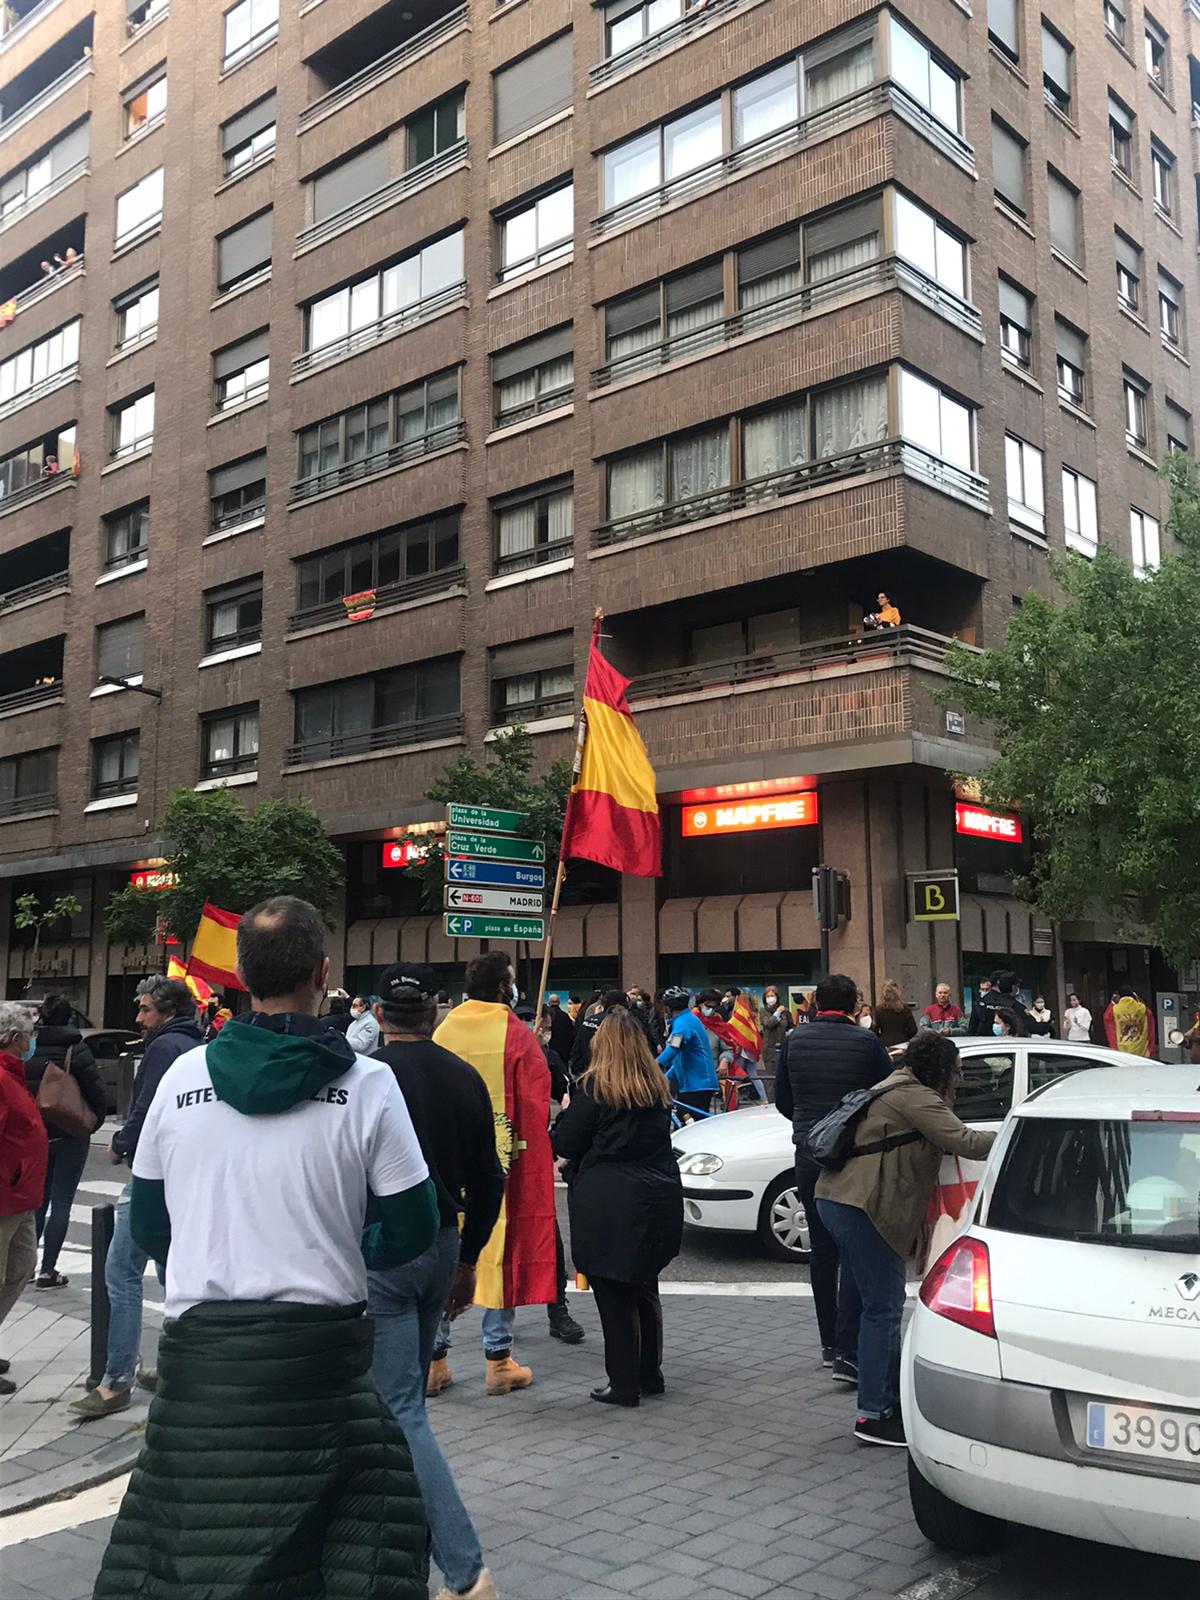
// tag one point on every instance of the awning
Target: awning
(1000, 924)
(727, 923)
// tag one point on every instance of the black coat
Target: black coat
(986, 1007)
(820, 1064)
(585, 1032)
(625, 1197)
(52, 1046)
(562, 1032)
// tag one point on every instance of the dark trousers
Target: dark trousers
(835, 1293)
(697, 1099)
(560, 1272)
(64, 1168)
(631, 1316)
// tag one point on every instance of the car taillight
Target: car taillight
(959, 1286)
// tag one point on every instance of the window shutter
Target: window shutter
(119, 648)
(69, 151)
(236, 356)
(1064, 217)
(1120, 114)
(532, 353)
(1128, 254)
(691, 288)
(853, 222)
(533, 655)
(528, 91)
(350, 181)
(238, 474)
(1014, 304)
(1070, 344)
(632, 311)
(244, 249)
(443, 387)
(1002, 24)
(1008, 166)
(1056, 60)
(771, 256)
(247, 123)
(140, 85)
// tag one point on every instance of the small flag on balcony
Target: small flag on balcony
(8, 313)
(359, 606)
(214, 949)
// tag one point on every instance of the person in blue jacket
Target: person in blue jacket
(686, 1057)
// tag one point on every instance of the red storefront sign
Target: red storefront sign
(403, 852)
(152, 878)
(751, 816)
(980, 823)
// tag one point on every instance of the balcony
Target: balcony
(39, 391)
(26, 594)
(863, 106)
(17, 17)
(52, 73)
(376, 332)
(368, 741)
(26, 805)
(45, 285)
(888, 457)
(876, 277)
(359, 82)
(388, 597)
(37, 489)
(699, 17)
(407, 183)
(352, 472)
(31, 203)
(539, 555)
(32, 675)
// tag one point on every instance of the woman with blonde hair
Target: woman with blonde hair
(894, 1021)
(625, 1200)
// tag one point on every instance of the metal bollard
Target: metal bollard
(103, 1222)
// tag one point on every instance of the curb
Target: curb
(60, 1483)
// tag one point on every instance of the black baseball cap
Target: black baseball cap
(407, 981)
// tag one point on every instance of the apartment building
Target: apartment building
(353, 351)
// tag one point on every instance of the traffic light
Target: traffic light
(831, 897)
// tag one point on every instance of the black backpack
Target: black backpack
(829, 1143)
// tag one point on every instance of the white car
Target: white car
(738, 1168)
(1051, 1370)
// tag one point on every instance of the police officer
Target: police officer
(686, 1057)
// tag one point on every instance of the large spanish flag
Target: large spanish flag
(517, 1266)
(214, 948)
(178, 969)
(612, 812)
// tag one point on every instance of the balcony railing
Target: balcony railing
(539, 556)
(40, 694)
(15, 213)
(11, 26)
(38, 391)
(366, 740)
(47, 284)
(34, 490)
(387, 595)
(889, 455)
(890, 272)
(905, 646)
(25, 804)
(369, 466)
(696, 17)
(407, 183)
(863, 106)
(42, 589)
(548, 400)
(260, 41)
(374, 332)
(26, 113)
(234, 519)
(380, 69)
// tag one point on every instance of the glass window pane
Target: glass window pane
(916, 235)
(920, 418)
(635, 483)
(364, 303)
(556, 216)
(943, 95)
(910, 61)
(520, 237)
(631, 169)
(826, 82)
(850, 417)
(951, 263)
(775, 441)
(441, 264)
(956, 436)
(692, 141)
(766, 104)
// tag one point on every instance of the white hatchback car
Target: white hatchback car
(1051, 1369)
(738, 1168)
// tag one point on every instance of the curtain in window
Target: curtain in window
(843, 258)
(775, 441)
(515, 393)
(698, 463)
(560, 517)
(845, 74)
(635, 483)
(701, 315)
(518, 529)
(850, 417)
(224, 619)
(625, 344)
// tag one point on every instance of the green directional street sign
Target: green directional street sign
(486, 818)
(495, 847)
(463, 927)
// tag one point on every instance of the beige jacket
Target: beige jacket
(895, 1186)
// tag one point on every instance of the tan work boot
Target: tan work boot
(439, 1376)
(505, 1375)
(482, 1589)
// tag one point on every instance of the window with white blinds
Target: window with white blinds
(527, 91)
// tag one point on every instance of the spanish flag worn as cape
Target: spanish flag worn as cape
(214, 948)
(517, 1265)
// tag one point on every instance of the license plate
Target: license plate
(1145, 1431)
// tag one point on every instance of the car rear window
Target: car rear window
(1121, 1183)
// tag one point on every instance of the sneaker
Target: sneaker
(482, 1589)
(439, 1378)
(563, 1326)
(504, 1375)
(147, 1379)
(827, 1356)
(881, 1430)
(7, 1386)
(94, 1405)
(4, 1366)
(844, 1370)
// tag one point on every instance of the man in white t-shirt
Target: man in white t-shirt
(273, 1166)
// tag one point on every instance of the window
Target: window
(436, 129)
(769, 633)
(1170, 303)
(848, 417)
(1129, 272)
(1114, 19)
(1008, 167)
(28, 782)
(684, 468)
(768, 271)
(244, 251)
(1162, 163)
(240, 371)
(22, 188)
(132, 425)
(527, 91)
(1137, 431)
(38, 363)
(238, 492)
(115, 766)
(145, 102)
(119, 648)
(249, 25)
(534, 526)
(777, 439)
(766, 104)
(533, 679)
(539, 232)
(396, 557)
(1016, 325)
(139, 208)
(229, 742)
(986, 1091)
(355, 715)
(38, 462)
(533, 377)
(1056, 69)
(350, 182)
(663, 154)
(917, 69)
(1071, 361)
(414, 285)
(628, 22)
(138, 12)
(369, 437)
(1179, 428)
(126, 536)
(1066, 234)
(137, 314)
(1079, 512)
(922, 239)
(935, 421)
(1156, 53)
(248, 137)
(842, 240)
(233, 615)
(1026, 497)
(1120, 135)
(1002, 27)
(1145, 540)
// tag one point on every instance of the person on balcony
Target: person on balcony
(886, 615)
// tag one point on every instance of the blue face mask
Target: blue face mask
(30, 1048)
(998, 1028)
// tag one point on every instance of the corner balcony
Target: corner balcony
(38, 489)
(698, 18)
(38, 103)
(15, 213)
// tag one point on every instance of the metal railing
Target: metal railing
(415, 178)
(11, 25)
(373, 332)
(696, 17)
(260, 41)
(861, 106)
(26, 113)
(387, 594)
(56, 186)
(889, 272)
(363, 79)
(46, 284)
(538, 556)
(234, 519)
(41, 589)
(22, 805)
(366, 740)
(35, 489)
(550, 400)
(368, 466)
(38, 391)
(889, 455)
(39, 694)
(534, 711)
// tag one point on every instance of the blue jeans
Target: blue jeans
(406, 1304)
(879, 1273)
(123, 1274)
(750, 1068)
(497, 1332)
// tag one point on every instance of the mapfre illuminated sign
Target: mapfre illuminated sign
(152, 878)
(403, 852)
(980, 823)
(751, 816)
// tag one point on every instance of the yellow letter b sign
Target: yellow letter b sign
(934, 897)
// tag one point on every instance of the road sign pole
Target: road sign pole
(560, 874)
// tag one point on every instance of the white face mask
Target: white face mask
(865, 1020)
(706, 1011)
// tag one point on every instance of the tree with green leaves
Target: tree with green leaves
(1094, 705)
(217, 850)
(29, 913)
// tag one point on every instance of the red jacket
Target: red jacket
(22, 1142)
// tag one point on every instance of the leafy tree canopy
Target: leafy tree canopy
(1095, 706)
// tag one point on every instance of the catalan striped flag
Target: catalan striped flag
(743, 1024)
(214, 948)
(612, 812)
(517, 1265)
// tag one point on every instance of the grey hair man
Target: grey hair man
(22, 1164)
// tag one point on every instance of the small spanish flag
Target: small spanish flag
(214, 949)
(360, 606)
(201, 991)
(8, 313)
(612, 812)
